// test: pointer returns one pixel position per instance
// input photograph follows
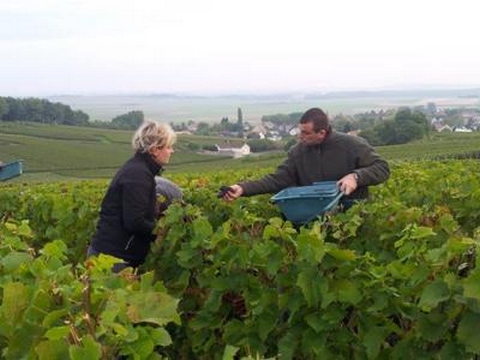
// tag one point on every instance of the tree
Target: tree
(240, 122)
(342, 123)
(80, 118)
(370, 134)
(385, 133)
(410, 125)
(240, 117)
(404, 127)
(40, 110)
(3, 107)
(203, 128)
(130, 120)
(16, 110)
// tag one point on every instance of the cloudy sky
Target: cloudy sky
(52, 47)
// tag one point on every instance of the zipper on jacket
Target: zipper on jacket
(129, 242)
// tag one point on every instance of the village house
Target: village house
(233, 151)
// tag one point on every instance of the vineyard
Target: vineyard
(391, 278)
(60, 152)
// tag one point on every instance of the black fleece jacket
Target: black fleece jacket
(340, 154)
(127, 214)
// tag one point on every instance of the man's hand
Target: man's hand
(233, 193)
(348, 184)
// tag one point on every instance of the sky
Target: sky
(54, 47)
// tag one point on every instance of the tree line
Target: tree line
(47, 112)
(395, 126)
(40, 110)
(404, 126)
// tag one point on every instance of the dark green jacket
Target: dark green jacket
(340, 154)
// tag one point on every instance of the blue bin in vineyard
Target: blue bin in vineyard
(10, 170)
(304, 203)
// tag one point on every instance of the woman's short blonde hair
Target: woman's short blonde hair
(151, 134)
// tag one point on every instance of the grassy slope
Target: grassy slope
(439, 144)
(82, 152)
(63, 152)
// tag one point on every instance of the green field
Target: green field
(439, 145)
(51, 152)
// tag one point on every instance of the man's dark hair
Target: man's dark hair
(318, 118)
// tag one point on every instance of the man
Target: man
(322, 154)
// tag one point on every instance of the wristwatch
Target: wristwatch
(355, 175)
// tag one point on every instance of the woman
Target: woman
(128, 211)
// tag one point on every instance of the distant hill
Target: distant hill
(179, 108)
(414, 93)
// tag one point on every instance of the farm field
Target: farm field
(82, 152)
(59, 152)
(392, 278)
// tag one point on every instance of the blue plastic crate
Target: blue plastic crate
(10, 170)
(303, 203)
